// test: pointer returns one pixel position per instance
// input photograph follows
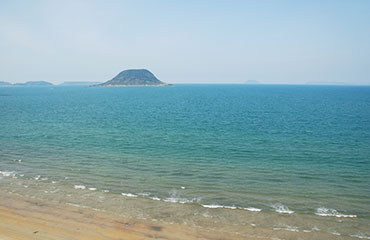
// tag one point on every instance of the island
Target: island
(4, 84)
(34, 84)
(134, 77)
(70, 84)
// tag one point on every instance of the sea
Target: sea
(260, 160)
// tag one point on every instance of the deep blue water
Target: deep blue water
(303, 147)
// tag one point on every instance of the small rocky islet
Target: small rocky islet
(133, 77)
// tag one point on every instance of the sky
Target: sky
(276, 42)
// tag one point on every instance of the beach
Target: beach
(26, 218)
(30, 218)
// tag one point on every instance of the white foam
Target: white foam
(7, 173)
(156, 198)
(44, 179)
(327, 212)
(230, 207)
(335, 233)
(282, 209)
(286, 228)
(128, 195)
(143, 194)
(182, 187)
(37, 177)
(312, 229)
(77, 205)
(252, 209)
(213, 206)
(80, 187)
(92, 189)
(53, 181)
(105, 190)
(178, 200)
(361, 236)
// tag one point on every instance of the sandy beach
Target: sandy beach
(30, 218)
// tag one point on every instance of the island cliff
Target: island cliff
(134, 77)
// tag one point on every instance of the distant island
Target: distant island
(34, 83)
(2, 83)
(26, 84)
(134, 77)
(79, 83)
(326, 83)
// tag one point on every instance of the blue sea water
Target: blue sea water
(281, 149)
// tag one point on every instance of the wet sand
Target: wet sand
(29, 218)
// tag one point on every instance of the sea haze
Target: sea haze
(289, 157)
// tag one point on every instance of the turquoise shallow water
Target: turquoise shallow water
(288, 150)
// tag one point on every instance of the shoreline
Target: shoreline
(30, 218)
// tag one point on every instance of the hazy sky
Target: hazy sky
(186, 41)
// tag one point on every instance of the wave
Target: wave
(361, 236)
(7, 173)
(219, 206)
(77, 205)
(143, 194)
(231, 207)
(175, 197)
(212, 206)
(281, 209)
(179, 200)
(312, 229)
(252, 209)
(92, 189)
(328, 212)
(335, 233)
(128, 195)
(80, 187)
(286, 228)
